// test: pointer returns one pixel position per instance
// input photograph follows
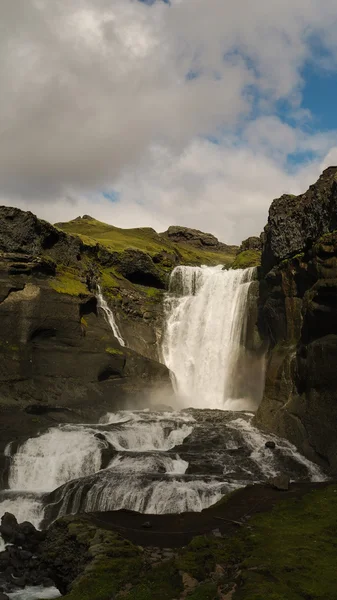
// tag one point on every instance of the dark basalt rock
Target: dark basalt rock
(298, 316)
(295, 222)
(195, 237)
(139, 268)
(251, 243)
(20, 564)
(59, 358)
(280, 482)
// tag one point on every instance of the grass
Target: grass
(115, 562)
(68, 283)
(144, 239)
(114, 351)
(291, 552)
(247, 258)
(109, 281)
(288, 553)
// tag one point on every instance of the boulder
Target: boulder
(251, 243)
(280, 482)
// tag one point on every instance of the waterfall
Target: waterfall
(102, 303)
(206, 321)
(152, 462)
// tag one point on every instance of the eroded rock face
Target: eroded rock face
(59, 360)
(298, 315)
(295, 222)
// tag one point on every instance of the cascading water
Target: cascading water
(102, 303)
(206, 320)
(152, 462)
(163, 462)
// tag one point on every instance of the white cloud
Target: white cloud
(95, 96)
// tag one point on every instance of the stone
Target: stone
(3, 596)
(251, 243)
(280, 482)
(146, 525)
(216, 533)
(270, 444)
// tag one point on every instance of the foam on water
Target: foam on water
(45, 462)
(171, 495)
(148, 464)
(26, 507)
(265, 458)
(144, 437)
(35, 593)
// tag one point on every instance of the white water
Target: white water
(26, 507)
(265, 458)
(145, 473)
(45, 462)
(145, 437)
(205, 330)
(149, 497)
(149, 464)
(102, 303)
(163, 462)
(35, 593)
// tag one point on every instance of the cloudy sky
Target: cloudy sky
(189, 112)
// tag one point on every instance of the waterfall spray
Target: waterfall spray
(102, 303)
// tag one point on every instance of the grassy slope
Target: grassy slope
(144, 239)
(288, 553)
(247, 258)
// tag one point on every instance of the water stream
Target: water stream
(163, 461)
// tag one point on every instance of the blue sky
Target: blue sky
(320, 97)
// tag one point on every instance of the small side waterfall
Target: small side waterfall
(102, 303)
(206, 322)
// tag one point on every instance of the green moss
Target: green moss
(68, 283)
(153, 292)
(115, 562)
(84, 322)
(5, 345)
(204, 552)
(247, 258)
(288, 553)
(109, 280)
(114, 351)
(291, 551)
(161, 583)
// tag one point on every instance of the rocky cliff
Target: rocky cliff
(298, 316)
(59, 358)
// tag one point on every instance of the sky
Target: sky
(155, 113)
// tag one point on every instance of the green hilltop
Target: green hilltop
(190, 246)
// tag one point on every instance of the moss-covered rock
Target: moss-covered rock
(288, 553)
(247, 258)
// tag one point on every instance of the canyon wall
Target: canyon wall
(298, 317)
